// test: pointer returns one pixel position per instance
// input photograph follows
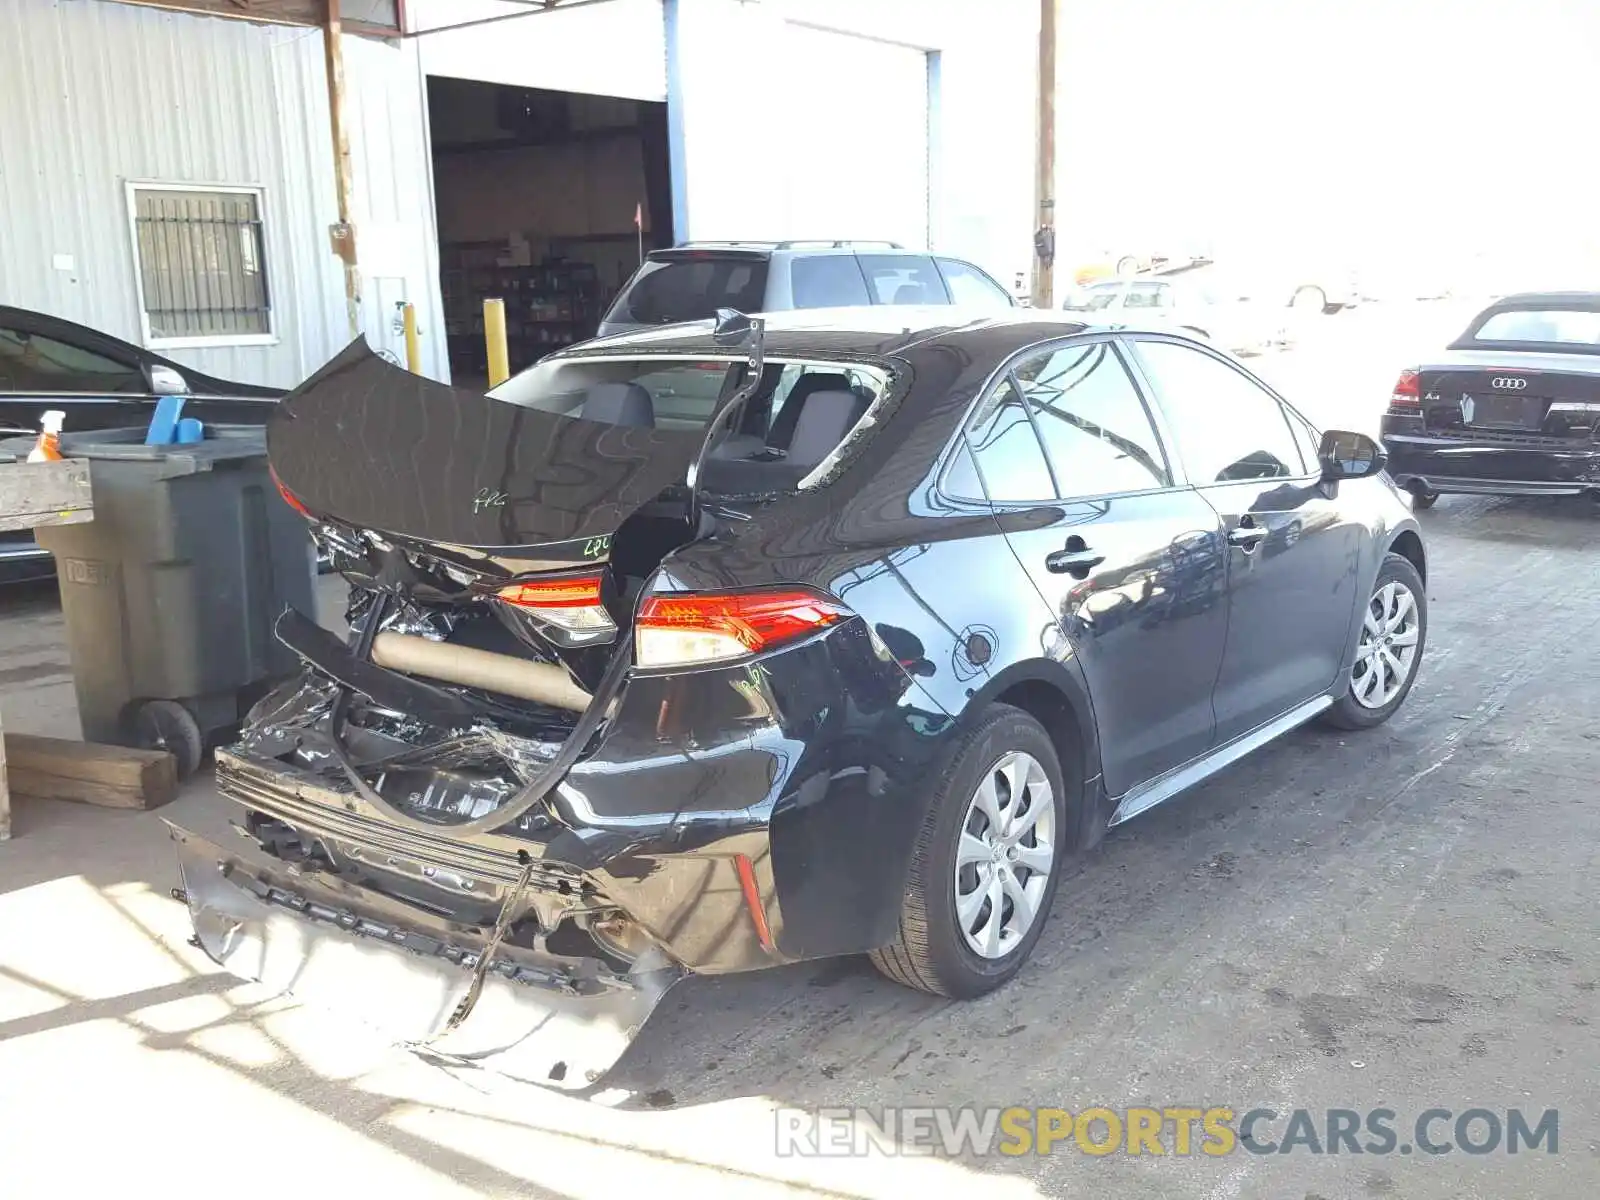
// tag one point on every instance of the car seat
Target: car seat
(619, 404)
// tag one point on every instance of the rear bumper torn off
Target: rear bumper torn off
(401, 970)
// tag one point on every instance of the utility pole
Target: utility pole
(1044, 238)
(342, 236)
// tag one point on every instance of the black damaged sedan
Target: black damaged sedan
(712, 648)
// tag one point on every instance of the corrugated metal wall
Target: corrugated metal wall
(95, 94)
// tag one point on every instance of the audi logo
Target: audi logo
(1509, 383)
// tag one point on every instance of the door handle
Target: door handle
(1075, 558)
(1247, 537)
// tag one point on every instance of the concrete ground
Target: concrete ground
(1400, 919)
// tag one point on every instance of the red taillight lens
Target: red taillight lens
(289, 497)
(572, 603)
(1407, 391)
(698, 627)
(573, 591)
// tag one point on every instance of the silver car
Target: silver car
(1189, 306)
(691, 282)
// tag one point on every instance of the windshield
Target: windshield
(799, 415)
(691, 289)
(1576, 327)
(1092, 299)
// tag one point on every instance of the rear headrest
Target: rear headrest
(910, 293)
(807, 385)
(619, 404)
(824, 420)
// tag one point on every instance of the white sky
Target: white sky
(1350, 129)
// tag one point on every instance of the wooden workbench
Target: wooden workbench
(31, 495)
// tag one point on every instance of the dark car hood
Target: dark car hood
(374, 446)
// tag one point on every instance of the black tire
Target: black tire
(930, 952)
(1348, 712)
(1423, 499)
(1315, 298)
(168, 725)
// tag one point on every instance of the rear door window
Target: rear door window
(31, 362)
(1010, 461)
(903, 279)
(1094, 425)
(827, 281)
(970, 286)
(692, 289)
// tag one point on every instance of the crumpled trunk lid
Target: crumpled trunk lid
(381, 449)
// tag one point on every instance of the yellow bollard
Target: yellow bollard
(494, 334)
(413, 342)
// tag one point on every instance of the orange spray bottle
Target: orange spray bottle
(48, 447)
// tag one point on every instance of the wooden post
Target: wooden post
(31, 495)
(342, 235)
(1045, 171)
(494, 336)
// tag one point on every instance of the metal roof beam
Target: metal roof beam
(532, 8)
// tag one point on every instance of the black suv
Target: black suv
(850, 658)
(691, 282)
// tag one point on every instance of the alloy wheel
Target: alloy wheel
(1387, 652)
(1005, 855)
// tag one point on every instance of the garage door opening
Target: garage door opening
(543, 200)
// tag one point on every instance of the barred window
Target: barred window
(202, 264)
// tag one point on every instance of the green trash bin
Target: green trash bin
(171, 592)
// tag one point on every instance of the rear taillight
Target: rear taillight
(289, 497)
(699, 627)
(1407, 392)
(573, 603)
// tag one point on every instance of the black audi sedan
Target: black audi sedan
(733, 644)
(1510, 408)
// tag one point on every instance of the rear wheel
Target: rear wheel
(1394, 629)
(1423, 498)
(986, 862)
(1127, 265)
(1308, 300)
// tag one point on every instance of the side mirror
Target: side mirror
(164, 381)
(1346, 455)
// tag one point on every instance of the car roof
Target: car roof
(798, 247)
(1583, 301)
(862, 331)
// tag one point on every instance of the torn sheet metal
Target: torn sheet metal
(541, 1017)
